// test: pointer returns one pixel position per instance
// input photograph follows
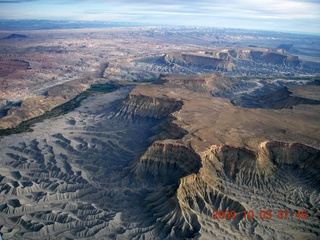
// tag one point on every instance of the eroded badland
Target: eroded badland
(202, 121)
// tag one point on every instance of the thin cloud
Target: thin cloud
(18, 1)
(268, 14)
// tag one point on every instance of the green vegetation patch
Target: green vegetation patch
(105, 87)
(149, 80)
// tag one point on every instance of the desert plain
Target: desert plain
(178, 133)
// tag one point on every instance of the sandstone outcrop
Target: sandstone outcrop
(153, 106)
(198, 61)
(241, 169)
(165, 162)
(158, 164)
(267, 56)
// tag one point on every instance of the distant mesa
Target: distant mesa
(262, 56)
(230, 59)
(251, 61)
(16, 36)
(191, 59)
(286, 47)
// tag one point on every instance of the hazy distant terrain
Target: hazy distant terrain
(50, 24)
(167, 126)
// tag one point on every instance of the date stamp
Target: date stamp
(263, 214)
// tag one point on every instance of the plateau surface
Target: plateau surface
(208, 134)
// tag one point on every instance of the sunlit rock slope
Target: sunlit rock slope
(160, 161)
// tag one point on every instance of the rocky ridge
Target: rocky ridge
(268, 56)
(238, 161)
(89, 179)
(244, 61)
(198, 61)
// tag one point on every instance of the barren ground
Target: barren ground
(156, 161)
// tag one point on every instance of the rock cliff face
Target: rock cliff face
(198, 61)
(251, 61)
(255, 176)
(293, 155)
(226, 177)
(258, 168)
(239, 180)
(158, 107)
(277, 57)
(167, 130)
(165, 162)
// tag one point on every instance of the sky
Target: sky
(297, 16)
